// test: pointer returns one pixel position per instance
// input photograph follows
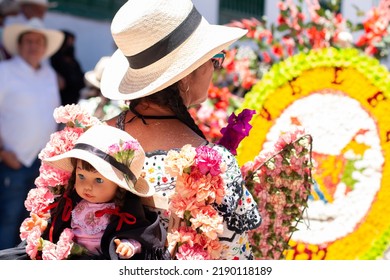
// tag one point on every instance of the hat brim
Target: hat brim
(11, 34)
(121, 82)
(47, 5)
(91, 78)
(63, 161)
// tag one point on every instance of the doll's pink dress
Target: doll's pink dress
(87, 228)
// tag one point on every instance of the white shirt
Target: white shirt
(19, 19)
(28, 98)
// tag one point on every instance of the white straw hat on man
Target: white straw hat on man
(93, 146)
(45, 3)
(159, 43)
(12, 32)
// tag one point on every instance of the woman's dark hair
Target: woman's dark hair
(170, 97)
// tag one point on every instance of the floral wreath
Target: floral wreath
(50, 184)
(351, 79)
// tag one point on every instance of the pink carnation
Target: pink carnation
(188, 184)
(196, 252)
(61, 250)
(246, 168)
(130, 145)
(33, 242)
(214, 249)
(208, 160)
(61, 142)
(49, 251)
(74, 114)
(50, 176)
(113, 149)
(183, 235)
(179, 205)
(208, 221)
(38, 199)
(64, 244)
(212, 190)
(25, 228)
(30, 223)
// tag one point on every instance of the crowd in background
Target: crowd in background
(38, 72)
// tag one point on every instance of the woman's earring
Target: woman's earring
(188, 89)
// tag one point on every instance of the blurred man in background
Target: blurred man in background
(29, 94)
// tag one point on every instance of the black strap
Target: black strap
(110, 159)
(168, 43)
(143, 118)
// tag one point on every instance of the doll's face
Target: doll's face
(92, 186)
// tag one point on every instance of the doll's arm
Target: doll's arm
(126, 248)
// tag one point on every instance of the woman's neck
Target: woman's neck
(152, 109)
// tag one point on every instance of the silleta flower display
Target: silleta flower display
(341, 97)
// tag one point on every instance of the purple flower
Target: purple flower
(237, 129)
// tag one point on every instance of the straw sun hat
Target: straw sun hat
(45, 3)
(12, 32)
(8, 7)
(159, 43)
(94, 76)
(93, 145)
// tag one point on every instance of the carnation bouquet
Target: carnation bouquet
(50, 184)
(124, 152)
(199, 186)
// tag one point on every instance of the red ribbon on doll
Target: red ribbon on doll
(67, 208)
(65, 214)
(123, 216)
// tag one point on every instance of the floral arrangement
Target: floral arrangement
(50, 185)
(280, 181)
(295, 32)
(350, 167)
(123, 152)
(199, 186)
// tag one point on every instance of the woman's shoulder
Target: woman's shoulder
(112, 121)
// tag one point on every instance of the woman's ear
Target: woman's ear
(184, 88)
(184, 85)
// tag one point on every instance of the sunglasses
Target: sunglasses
(218, 59)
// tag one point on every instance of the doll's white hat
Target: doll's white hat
(95, 146)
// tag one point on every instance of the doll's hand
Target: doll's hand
(125, 249)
